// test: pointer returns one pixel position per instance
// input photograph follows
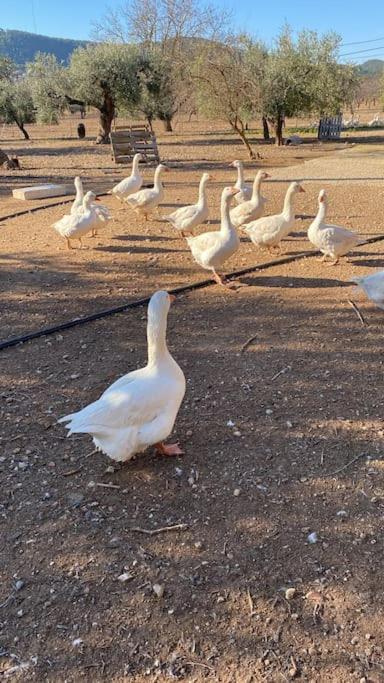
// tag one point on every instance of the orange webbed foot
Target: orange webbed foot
(170, 449)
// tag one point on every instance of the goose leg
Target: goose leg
(69, 245)
(322, 258)
(169, 449)
(81, 242)
(333, 263)
(218, 278)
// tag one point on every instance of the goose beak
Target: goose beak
(97, 199)
(301, 189)
(267, 175)
(172, 298)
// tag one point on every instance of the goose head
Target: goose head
(296, 187)
(89, 198)
(236, 163)
(322, 197)
(78, 184)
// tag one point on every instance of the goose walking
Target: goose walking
(132, 183)
(87, 218)
(140, 408)
(188, 217)
(332, 240)
(244, 193)
(211, 249)
(147, 200)
(268, 232)
(254, 207)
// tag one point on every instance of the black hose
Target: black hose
(142, 302)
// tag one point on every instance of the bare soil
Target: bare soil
(283, 438)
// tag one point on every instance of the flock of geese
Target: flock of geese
(139, 409)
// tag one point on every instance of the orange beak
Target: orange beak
(97, 199)
(267, 175)
(301, 189)
(172, 298)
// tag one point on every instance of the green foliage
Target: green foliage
(49, 83)
(16, 104)
(103, 69)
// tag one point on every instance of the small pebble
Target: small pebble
(198, 545)
(126, 576)
(368, 636)
(77, 642)
(313, 537)
(19, 585)
(237, 492)
(158, 589)
(269, 411)
(290, 593)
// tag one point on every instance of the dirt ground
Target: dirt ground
(283, 438)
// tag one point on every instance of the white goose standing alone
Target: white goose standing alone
(268, 232)
(132, 183)
(188, 217)
(332, 240)
(211, 249)
(147, 200)
(140, 408)
(254, 207)
(244, 193)
(78, 203)
(86, 219)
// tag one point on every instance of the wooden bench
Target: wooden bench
(136, 139)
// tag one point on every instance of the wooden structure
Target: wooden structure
(136, 139)
(330, 128)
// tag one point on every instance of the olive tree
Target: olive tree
(304, 76)
(106, 76)
(16, 105)
(167, 33)
(49, 83)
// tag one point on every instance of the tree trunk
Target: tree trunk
(107, 114)
(265, 128)
(167, 122)
(24, 132)
(279, 131)
(149, 120)
(240, 131)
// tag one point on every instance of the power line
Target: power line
(362, 42)
(358, 52)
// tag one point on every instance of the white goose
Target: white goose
(268, 232)
(211, 249)
(78, 203)
(147, 200)
(254, 207)
(244, 193)
(87, 218)
(188, 217)
(132, 184)
(373, 286)
(332, 240)
(140, 408)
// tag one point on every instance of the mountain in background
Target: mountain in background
(372, 67)
(21, 46)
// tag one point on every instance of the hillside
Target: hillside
(372, 67)
(21, 46)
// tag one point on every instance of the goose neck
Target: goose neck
(288, 204)
(156, 338)
(226, 224)
(256, 188)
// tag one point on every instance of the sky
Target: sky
(263, 19)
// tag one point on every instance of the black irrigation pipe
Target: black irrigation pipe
(45, 331)
(33, 209)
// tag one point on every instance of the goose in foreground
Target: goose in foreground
(373, 286)
(140, 408)
(211, 249)
(254, 207)
(132, 183)
(188, 217)
(332, 240)
(78, 203)
(268, 232)
(147, 200)
(244, 193)
(86, 219)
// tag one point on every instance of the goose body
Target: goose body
(86, 219)
(78, 203)
(267, 232)
(188, 217)
(211, 249)
(252, 209)
(332, 240)
(147, 200)
(132, 184)
(244, 191)
(140, 408)
(373, 286)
